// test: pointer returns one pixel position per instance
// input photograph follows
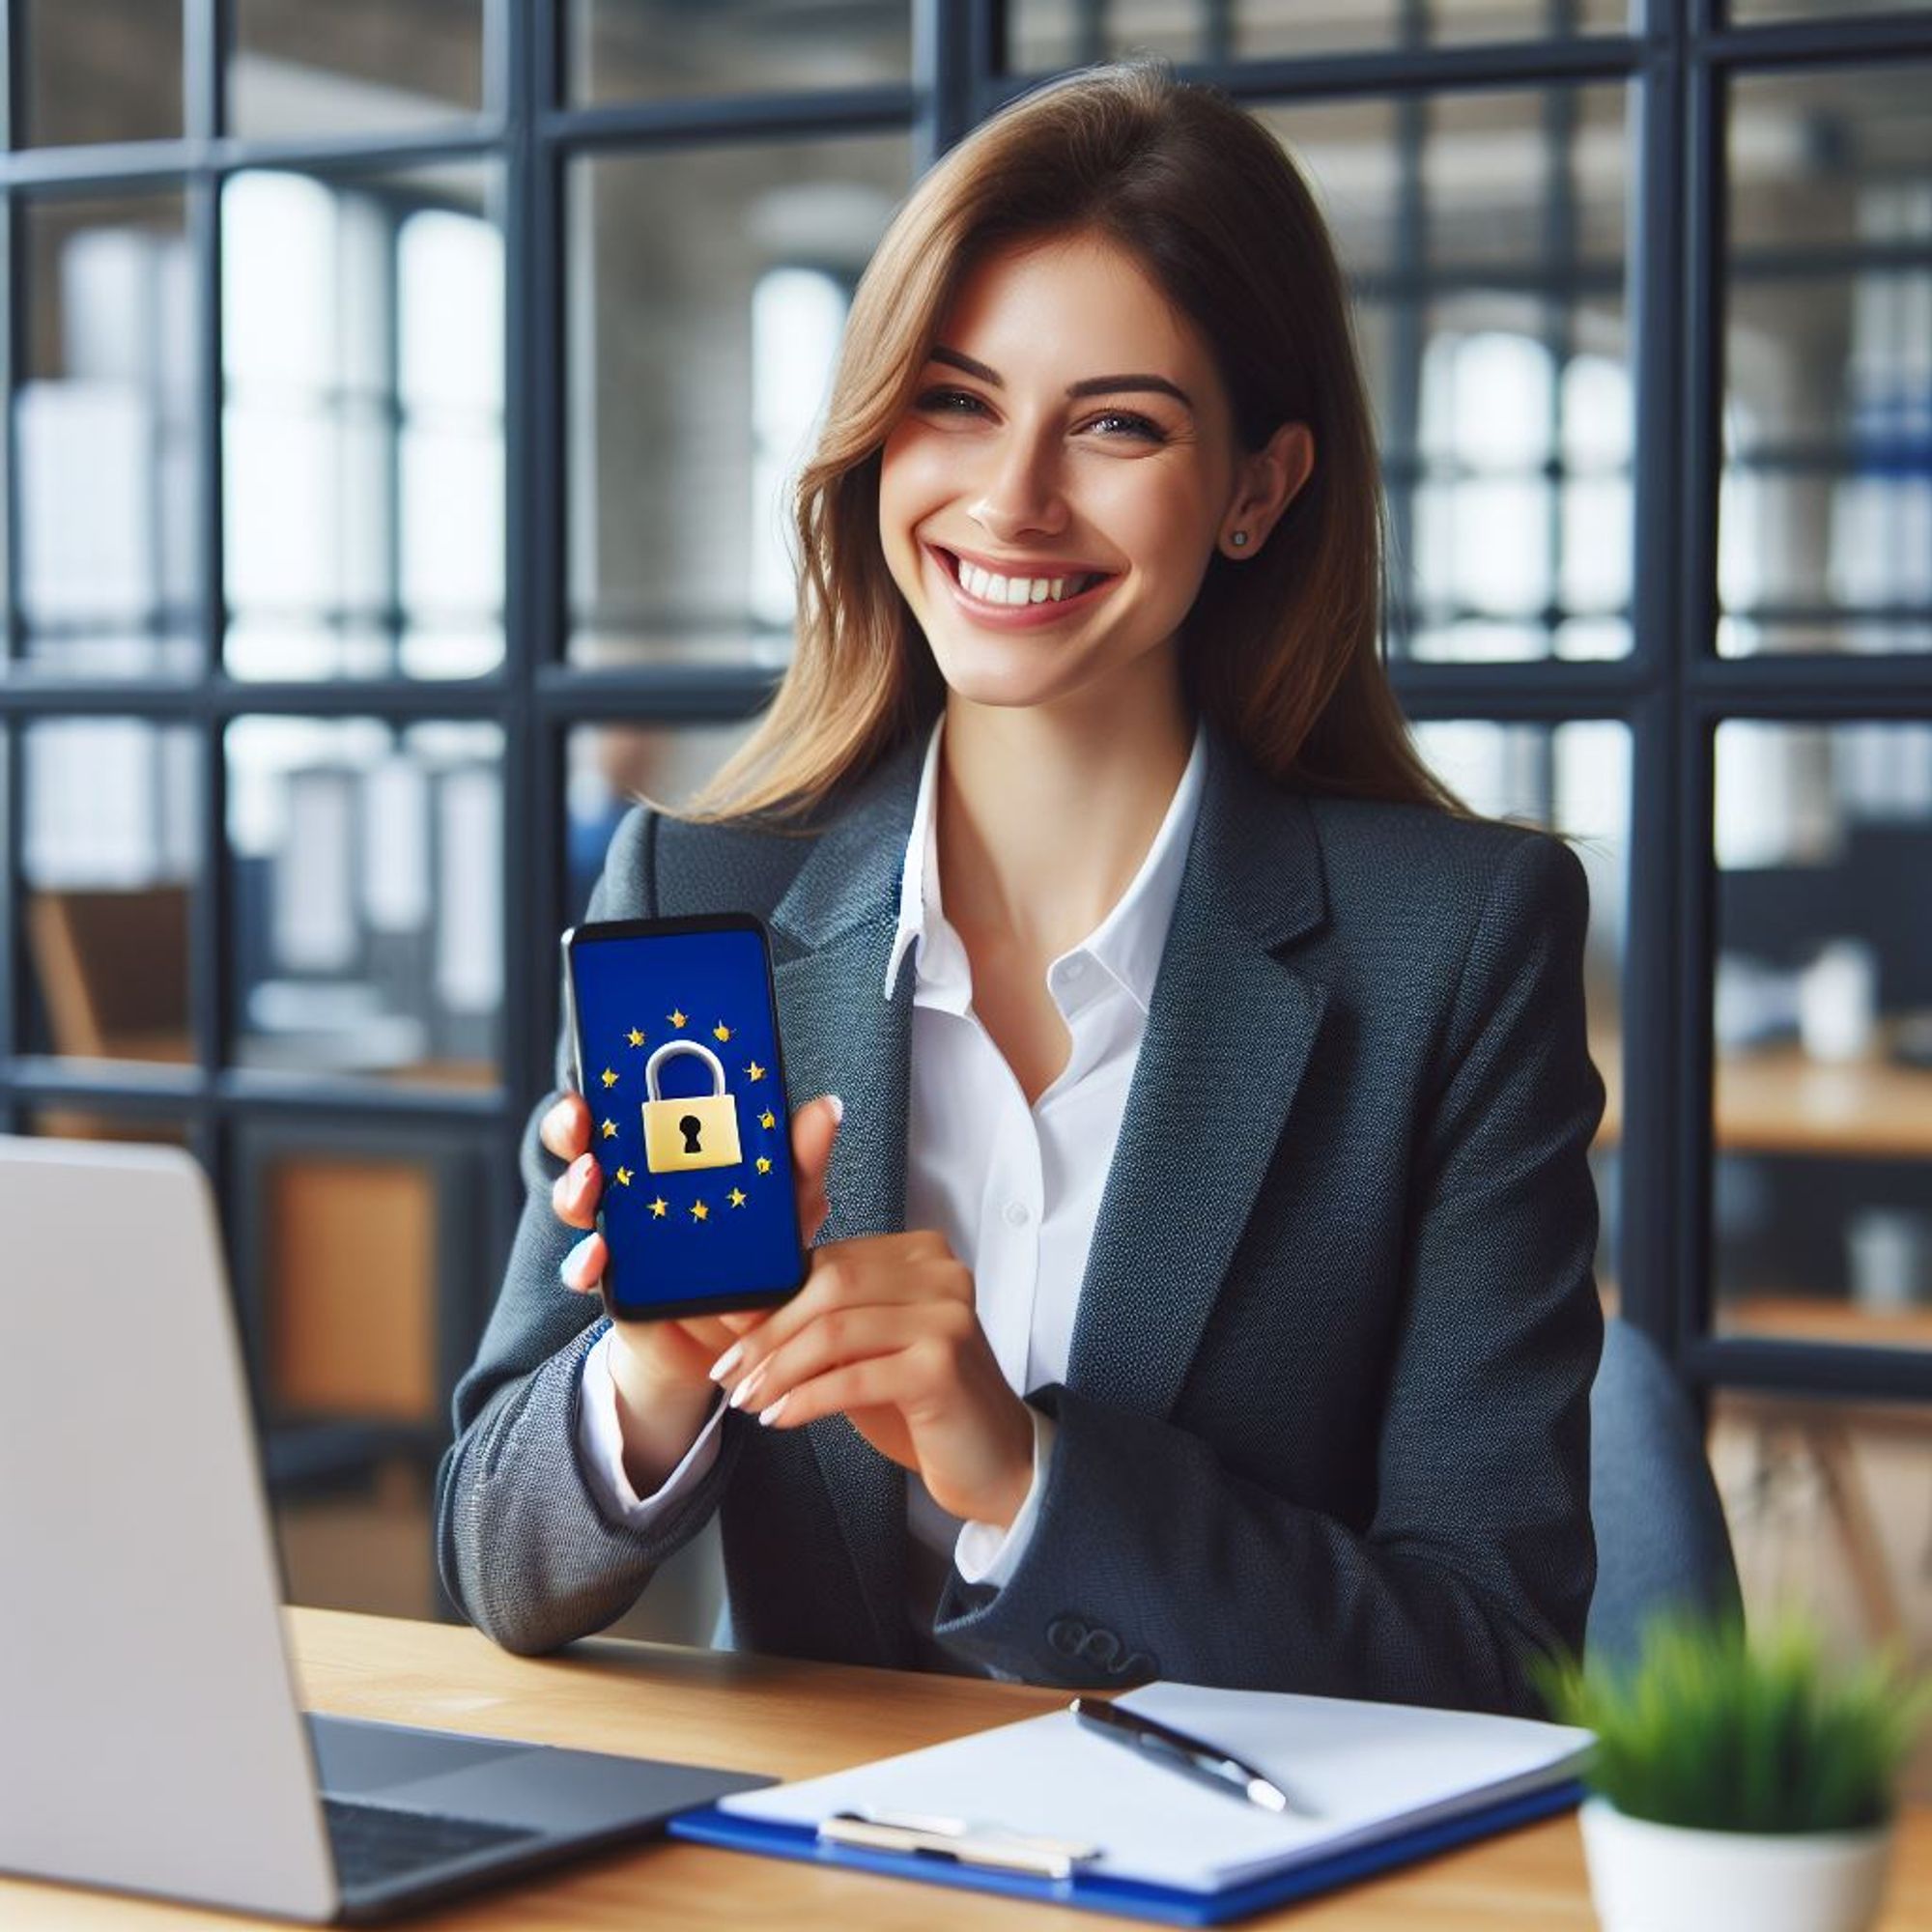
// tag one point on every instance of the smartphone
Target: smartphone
(674, 1028)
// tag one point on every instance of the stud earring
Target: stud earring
(1239, 539)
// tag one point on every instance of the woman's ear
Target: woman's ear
(1268, 482)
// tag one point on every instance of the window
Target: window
(401, 401)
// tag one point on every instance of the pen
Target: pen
(1163, 1744)
(957, 1842)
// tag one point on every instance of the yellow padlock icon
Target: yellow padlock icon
(680, 1134)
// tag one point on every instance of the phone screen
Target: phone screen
(677, 1051)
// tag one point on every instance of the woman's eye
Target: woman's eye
(1132, 425)
(949, 402)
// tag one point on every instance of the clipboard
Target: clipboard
(1097, 1892)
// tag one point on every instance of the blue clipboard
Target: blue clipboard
(1129, 1897)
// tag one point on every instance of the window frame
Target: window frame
(1671, 692)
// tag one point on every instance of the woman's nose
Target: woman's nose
(1021, 493)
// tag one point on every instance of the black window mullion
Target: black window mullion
(533, 572)
(1410, 263)
(1648, 1288)
(958, 49)
(1690, 1049)
(13, 78)
(205, 35)
(210, 979)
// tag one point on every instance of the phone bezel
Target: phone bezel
(597, 931)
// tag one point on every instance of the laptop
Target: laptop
(150, 1737)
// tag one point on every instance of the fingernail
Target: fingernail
(580, 1168)
(570, 1269)
(768, 1417)
(746, 1388)
(727, 1361)
(838, 1108)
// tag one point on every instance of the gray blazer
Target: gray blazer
(1324, 1426)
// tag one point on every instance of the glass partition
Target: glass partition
(1826, 526)
(703, 335)
(1822, 1115)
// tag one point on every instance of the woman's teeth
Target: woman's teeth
(990, 589)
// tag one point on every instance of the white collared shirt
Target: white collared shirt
(1015, 1188)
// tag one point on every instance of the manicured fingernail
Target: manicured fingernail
(838, 1108)
(768, 1417)
(746, 1388)
(727, 1361)
(571, 1269)
(580, 1169)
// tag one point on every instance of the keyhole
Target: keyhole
(691, 1127)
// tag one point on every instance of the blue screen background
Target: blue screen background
(662, 1248)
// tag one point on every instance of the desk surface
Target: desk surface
(796, 1720)
(1776, 1099)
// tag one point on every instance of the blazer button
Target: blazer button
(1092, 1644)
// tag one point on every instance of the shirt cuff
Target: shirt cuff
(600, 1447)
(986, 1553)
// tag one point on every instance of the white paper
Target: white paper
(1371, 1771)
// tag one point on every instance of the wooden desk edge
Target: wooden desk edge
(791, 1719)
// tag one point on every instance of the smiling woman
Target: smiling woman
(1201, 1231)
(984, 487)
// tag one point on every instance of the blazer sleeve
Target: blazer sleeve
(1150, 1559)
(524, 1545)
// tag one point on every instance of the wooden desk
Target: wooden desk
(1776, 1099)
(795, 1721)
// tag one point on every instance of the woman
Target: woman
(1201, 1271)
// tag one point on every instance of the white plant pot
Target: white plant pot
(1663, 1878)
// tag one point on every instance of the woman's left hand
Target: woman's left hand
(884, 1330)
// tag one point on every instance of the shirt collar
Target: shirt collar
(1128, 943)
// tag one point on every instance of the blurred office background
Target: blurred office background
(401, 399)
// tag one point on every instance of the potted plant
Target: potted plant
(1736, 1786)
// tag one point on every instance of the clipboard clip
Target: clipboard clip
(957, 1841)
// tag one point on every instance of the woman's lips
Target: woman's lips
(1011, 617)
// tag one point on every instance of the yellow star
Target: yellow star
(768, 1119)
(698, 1211)
(609, 1078)
(676, 1019)
(721, 1030)
(609, 1131)
(659, 1207)
(737, 1196)
(635, 1037)
(623, 1176)
(754, 1071)
(765, 1166)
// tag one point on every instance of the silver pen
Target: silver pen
(957, 1841)
(1194, 1757)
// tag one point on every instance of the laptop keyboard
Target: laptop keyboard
(375, 1843)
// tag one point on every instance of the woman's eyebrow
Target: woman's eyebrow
(1092, 386)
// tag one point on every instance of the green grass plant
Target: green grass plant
(1707, 1731)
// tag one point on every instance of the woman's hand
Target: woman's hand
(661, 1368)
(885, 1329)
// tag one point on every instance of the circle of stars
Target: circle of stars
(658, 1208)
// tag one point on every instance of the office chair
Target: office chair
(1661, 1542)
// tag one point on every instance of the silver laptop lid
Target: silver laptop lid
(149, 1732)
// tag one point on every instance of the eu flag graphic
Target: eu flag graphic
(688, 1118)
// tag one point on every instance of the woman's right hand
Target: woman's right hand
(662, 1369)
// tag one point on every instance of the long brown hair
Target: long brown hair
(1282, 651)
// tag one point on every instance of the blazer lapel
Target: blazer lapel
(832, 933)
(1229, 1029)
